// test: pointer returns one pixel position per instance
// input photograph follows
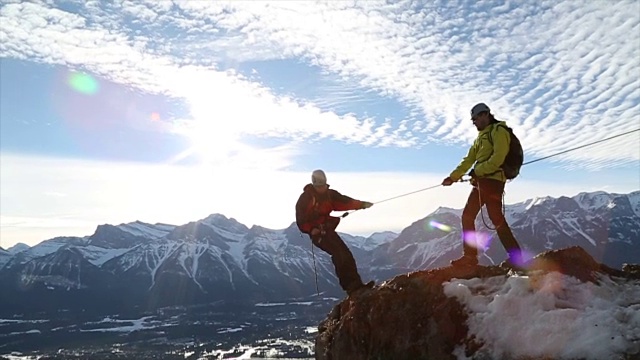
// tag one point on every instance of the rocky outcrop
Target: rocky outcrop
(410, 317)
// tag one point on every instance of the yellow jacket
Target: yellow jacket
(486, 156)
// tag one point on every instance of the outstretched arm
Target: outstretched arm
(466, 164)
(343, 203)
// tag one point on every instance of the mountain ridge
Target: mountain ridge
(218, 258)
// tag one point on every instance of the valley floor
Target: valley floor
(273, 330)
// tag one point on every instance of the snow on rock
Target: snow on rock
(139, 228)
(44, 248)
(222, 222)
(550, 315)
(634, 199)
(377, 239)
(98, 256)
(5, 256)
(19, 247)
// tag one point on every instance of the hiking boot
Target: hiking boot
(465, 261)
(360, 286)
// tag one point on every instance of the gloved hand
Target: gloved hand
(366, 205)
(472, 173)
(447, 181)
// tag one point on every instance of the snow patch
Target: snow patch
(550, 316)
(148, 231)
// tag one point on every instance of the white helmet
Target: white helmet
(318, 178)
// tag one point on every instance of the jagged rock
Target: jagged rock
(632, 269)
(572, 261)
(410, 317)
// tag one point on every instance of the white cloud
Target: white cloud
(563, 62)
(557, 71)
(221, 98)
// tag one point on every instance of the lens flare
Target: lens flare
(83, 83)
(521, 258)
(437, 225)
(477, 239)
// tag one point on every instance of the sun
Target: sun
(211, 142)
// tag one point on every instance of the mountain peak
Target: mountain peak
(19, 247)
(142, 229)
(215, 217)
(378, 238)
(447, 210)
(222, 222)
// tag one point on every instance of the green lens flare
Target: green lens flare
(83, 83)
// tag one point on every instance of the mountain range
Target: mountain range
(139, 266)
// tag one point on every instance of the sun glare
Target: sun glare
(217, 133)
(212, 142)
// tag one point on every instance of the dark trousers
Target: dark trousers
(341, 257)
(487, 192)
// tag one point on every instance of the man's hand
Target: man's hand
(447, 181)
(315, 231)
(366, 205)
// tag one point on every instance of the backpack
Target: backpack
(515, 157)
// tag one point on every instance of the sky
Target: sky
(169, 111)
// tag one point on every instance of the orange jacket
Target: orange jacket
(313, 209)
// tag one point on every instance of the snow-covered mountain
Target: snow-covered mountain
(18, 248)
(215, 258)
(44, 248)
(5, 256)
(605, 225)
(218, 258)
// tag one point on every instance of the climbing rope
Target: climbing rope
(525, 163)
(579, 147)
(315, 269)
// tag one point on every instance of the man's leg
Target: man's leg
(492, 196)
(342, 258)
(469, 215)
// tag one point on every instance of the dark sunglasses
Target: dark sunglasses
(474, 118)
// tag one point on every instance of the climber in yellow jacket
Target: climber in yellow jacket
(486, 156)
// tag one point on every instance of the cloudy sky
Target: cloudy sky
(168, 111)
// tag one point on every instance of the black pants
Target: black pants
(487, 192)
(341, 257)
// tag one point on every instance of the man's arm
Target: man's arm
(342, 202)
(466, 164)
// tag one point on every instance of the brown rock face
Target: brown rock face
(409, 317)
